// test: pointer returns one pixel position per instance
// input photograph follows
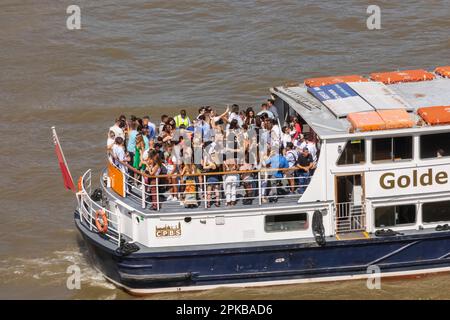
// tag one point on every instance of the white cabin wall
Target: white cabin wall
(216, 229)
(375, 195)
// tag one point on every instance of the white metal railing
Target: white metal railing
(259, 187)
(88, 209)
(350, 217)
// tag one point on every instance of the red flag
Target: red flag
(67, 177)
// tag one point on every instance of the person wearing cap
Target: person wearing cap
(304, 165)
(182, 119)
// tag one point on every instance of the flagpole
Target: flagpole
(61, 153)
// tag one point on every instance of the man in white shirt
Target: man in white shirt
(234, 115)
(117, 128)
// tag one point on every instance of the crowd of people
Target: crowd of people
(225, 149)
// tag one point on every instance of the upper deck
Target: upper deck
(327, 105)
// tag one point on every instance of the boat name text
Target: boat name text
(168, 231)
(389, 180)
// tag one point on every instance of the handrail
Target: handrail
(262, 187)
(208, 173)
(89, 212)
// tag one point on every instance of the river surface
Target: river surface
(152, 57)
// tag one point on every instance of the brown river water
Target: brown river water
(149, 57)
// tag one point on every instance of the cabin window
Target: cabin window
(392, 149)
(435, 145)
(353, 153)
(286, 222)
(395, 215)
(436, 211)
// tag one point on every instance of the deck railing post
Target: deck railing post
(81, 208)
(157, 194)
(119, 226)
(90, 214)
(143, 191)
(259, 188)
(204, 191)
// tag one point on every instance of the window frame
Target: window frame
(434, 222)
(392, 160)
(287, 214)
(364, 140)
(420, 146)
(416, 214)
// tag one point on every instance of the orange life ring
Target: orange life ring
(102, 225)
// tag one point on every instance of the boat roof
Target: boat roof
(326, 107)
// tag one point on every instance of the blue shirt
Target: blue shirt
(151, 131)
(131, 145)
(278, 161)
(204, 130)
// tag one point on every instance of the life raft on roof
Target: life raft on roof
(402, 76)
(435, 115)
(443, 71)
(380, 120)
(325, 81)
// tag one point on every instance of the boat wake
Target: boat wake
(52, 270)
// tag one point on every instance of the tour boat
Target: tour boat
(379, 199)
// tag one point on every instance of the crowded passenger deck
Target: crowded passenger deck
(238, 157)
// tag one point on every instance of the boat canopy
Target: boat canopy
(338, 105)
